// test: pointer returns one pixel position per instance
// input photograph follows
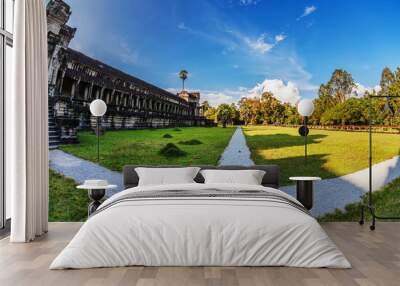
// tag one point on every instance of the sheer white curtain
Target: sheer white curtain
(27, 141)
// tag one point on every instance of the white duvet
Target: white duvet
(200, 231)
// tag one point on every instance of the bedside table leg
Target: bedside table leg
(96, 196)
(305, 193)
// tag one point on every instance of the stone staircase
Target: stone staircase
(54, 135)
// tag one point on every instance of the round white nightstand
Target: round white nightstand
(304, 190)
(96, 194)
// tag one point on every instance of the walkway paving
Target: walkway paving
(331, 194)
(81, 170)
(237, 152)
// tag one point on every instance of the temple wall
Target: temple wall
(75, 80)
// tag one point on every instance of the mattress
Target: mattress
(201, 225)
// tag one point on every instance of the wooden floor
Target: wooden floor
(375, 257)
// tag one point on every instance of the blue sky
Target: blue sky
(234, 48)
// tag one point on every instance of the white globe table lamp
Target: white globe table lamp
(98, 108)
(305, 108)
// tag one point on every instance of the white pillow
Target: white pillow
(166, 176)
(248, 177)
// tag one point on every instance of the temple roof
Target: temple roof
(73, 55)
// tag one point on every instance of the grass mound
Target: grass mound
(177, 129)
(191, 142)
(167, 136)
(171, 150)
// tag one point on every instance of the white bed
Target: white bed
(202, 231)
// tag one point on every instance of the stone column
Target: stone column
(89, 92)
(61, 82)
(102, 92)
(73, 87)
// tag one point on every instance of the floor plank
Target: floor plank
(375, 257)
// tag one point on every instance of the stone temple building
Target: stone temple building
(75, 80)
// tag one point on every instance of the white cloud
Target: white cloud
(307, 11)
(126, 54)
(359, 90)
(280, 38)
(182, 26)
(254, 56)
(248, 2)
(217, 98)
(284, 93)
(211, 37)
(259, 44)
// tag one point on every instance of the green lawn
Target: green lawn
(386, 202)
(66, 203)
(119, 148)
(331, 153)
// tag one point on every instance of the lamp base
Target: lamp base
(374, 216)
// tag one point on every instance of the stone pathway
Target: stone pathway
(331, 194)
(81, 170)
(237, 152)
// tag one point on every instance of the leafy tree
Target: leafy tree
(270, 108)
(225, 113)
(324, 102)
(387, 79)
(340, 85)
(205, 105)
(336, 91)
(211, 113)
(183, 75)
(235, 114)
(390, 85)
(267, 110)
(250, 110)
(291, 116)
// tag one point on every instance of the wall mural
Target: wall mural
(148, 125)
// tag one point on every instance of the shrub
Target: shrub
(171, 150)
(167, 136)
(191, 142)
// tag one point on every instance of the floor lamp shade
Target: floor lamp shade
(305, 107)
(98, 107)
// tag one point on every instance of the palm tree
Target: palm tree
(183, 74)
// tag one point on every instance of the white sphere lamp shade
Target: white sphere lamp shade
(98, 107)
(305, 107)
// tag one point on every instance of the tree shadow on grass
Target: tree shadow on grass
(274, 141)
(297, 166)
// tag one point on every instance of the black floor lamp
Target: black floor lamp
(98, 108)
(305, 108)
(369, 206)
